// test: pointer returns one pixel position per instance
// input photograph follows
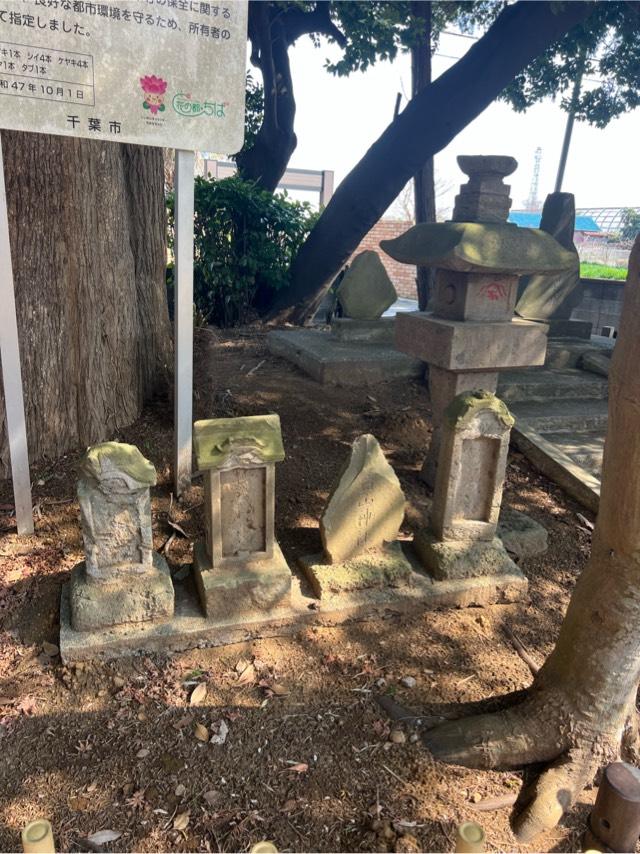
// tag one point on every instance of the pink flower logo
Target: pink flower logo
(154, 89)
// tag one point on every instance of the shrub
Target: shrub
(244, 241)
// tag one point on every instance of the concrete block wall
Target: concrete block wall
(601, 303)
(403, 276)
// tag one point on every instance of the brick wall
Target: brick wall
(403, 276)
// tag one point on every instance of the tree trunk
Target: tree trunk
(429, 122)
(87, 228)
(424, 192)
(580, 710)
(267, 159)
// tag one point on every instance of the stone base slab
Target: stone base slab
(569, 328)
(380, 331)
(386, 567)
(249, 589)
(342, 363)
(457, 559)
(127, 598)
(459, 345)
(188, 628)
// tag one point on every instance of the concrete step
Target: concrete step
(562, 415)
(544, 384)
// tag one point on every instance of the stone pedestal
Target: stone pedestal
(239, 569)
(460, 541)
(359, 527)
(121, 580)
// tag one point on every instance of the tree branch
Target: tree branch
(298, 23)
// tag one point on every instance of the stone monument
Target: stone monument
(471, 335)
(122, 580)
(461, 540)
(240, 570)
(359, 527)
(359, 349)
(364, 294)
(551, 297)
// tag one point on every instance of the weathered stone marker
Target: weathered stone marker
(122, 580)
(360, 525)
(551, 297)
(240, 570)
(478, 257)
(461, 539)
(366, 291)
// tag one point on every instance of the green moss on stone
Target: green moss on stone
(101, 460)
(468, 405)
(215, 439)
(480, 247)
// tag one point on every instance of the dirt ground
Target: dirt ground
(309, 761)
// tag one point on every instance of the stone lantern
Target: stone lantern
(470, 333)
(240, 570)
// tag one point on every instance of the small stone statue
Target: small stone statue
(121, 580)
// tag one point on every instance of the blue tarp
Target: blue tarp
(527, 219)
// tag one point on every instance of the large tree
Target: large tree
(365, 31)
(530, 51)
(87, 229)
(580, 712)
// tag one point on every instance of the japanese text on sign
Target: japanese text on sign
(155, 72)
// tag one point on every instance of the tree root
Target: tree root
(538, 730)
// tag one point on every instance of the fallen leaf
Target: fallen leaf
(142, 753)
(298, 767)
(279, 690)
(50, 649)
(198, 694)
(247, 676)
(103, 836)
(221, 736)
(201, 732)
(586, 522)
(212, 797)
(178, 528)
(181, 821)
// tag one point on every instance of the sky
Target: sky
(338, 118)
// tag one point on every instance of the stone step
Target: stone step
(562, 416)
(543, 384)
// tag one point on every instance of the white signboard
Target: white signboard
(153, 72)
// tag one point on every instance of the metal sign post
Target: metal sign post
(11, 375)
(183, 317)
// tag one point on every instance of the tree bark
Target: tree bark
(266, 161)
(87, 229)
(424, 192)
(429, 122)
(580, 711)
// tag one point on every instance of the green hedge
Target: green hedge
(245, 239)
(602, 271)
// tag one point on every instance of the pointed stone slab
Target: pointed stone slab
(366, 507)
(553, 297)
(366, 291)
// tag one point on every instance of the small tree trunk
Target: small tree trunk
(423, 181)
(87, 228)
(580, 710)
